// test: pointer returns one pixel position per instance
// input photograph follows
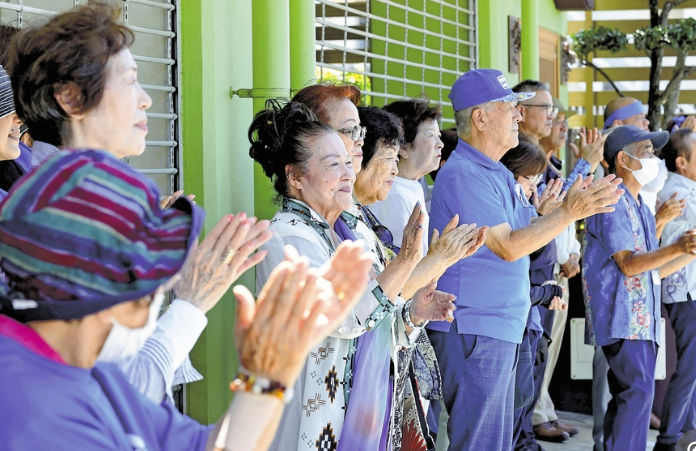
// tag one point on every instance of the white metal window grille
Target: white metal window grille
(396, 49)
(155, 49)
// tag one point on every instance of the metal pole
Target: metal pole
(302, 44)
(271, 64)
(589, 82)
(530, 39)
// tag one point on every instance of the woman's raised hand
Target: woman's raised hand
(412, 242)
(296, 309)
(457, 242)
(551, 198)
(431, 305)
(168, 201)
(223, 255)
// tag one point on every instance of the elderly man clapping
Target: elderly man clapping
(477, 357)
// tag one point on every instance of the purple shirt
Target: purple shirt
(619, 307)
(48, 405)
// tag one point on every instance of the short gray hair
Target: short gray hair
(462, 118)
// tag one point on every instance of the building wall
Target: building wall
(216, 55)
(493, 32)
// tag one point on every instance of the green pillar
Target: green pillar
(530, 39)
(271, 64)
(302, 44)
(215, 45)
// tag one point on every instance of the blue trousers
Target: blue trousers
(526, 438)
(679, 411)
(526, 362)
(478, 381)
(632, 386)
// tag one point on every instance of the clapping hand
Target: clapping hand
(168, 201)
(412, 242)
(296, 309)
(591, 146)
(551, 198)
(431, 305)
(670, 209)
(585, 200)
(457, 242)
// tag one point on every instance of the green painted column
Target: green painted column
(302, 44)
(215, 37)
(271, 64)
(530, 39)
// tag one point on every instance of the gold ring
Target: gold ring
(227, 256)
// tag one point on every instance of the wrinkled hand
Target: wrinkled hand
(295, 310)
(687, 242)
(551, 198)
(571, 268)
(670, 209)
(591, 146)
(457, 243)
(412, 242)
(205, 278)
(595, 198)
(168, 201)
(431, 305)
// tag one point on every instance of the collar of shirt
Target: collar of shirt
(41, 152)
(27, 337)
(681, 180)
(468, 151)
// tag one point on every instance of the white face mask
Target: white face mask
(649, 170)
(123, 341)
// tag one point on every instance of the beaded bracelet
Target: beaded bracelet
(406, 315)
(261, 386)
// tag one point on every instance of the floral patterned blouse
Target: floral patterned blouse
(619, 307)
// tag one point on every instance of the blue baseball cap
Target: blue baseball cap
(623, 135)
(483, 85)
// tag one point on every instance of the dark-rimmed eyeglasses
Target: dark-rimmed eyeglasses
(355, 133)
(550, 109)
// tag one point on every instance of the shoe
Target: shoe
(665, 447)
(547, 432)
(654, 422)
(571, 430)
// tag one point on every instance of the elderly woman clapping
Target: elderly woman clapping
(86, 255)
(347, 387)
(76, 87)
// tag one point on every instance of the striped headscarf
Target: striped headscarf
(6, 98)
(84, 232)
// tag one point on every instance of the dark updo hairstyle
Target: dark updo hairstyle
(284, 133)
(526, 159)
(321, 98)
(382, 128)
(412, 112)
(450, 139)
(69, 52)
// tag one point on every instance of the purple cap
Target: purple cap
(483, 85)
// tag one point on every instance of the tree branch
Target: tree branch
(679, 73)
(604, 74)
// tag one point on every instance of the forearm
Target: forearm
(249, 424)
(659, 226)
(639, 262)
(675, 265)
(429, 269)
(524, 241)
(395, 276)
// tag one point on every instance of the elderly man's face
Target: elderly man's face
(537, 115)
(639, 120)
(502, 124)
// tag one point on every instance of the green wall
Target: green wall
(216, 55)
(493, 33)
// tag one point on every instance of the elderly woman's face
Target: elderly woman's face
(425, 151)
(118, 122)
(344, 118)
(375, 181)
(327, 183)
(9, 136)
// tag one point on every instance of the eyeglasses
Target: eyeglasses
(550, 109)
(535, 179)
(355, 133)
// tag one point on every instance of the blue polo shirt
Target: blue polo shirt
(492, 294)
